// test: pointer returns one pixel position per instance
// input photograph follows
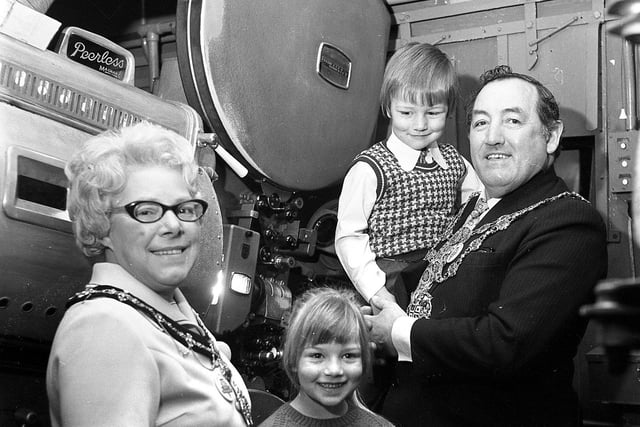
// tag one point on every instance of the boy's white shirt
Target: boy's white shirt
(356, 203)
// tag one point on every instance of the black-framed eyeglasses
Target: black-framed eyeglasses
(146, 211)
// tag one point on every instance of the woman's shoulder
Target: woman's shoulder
(100, 309)
(100, 333)
(104, 318)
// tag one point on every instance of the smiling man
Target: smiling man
(493, 325)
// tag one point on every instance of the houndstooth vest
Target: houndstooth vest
(412, 208)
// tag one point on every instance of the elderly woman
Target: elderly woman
(130, 350)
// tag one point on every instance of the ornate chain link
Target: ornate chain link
(197, 343)
(445, 259)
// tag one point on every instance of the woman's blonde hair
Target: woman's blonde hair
(98, 171)
(320, 316)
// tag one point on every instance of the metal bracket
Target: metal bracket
(531, 32)
(150, 34)
(556, 30)
(212, 140)
(533, 44)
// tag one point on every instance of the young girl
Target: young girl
(326, 353)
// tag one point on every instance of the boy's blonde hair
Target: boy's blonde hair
(320, 316)
(421, 74)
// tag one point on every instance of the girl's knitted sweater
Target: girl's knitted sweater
(286, 416)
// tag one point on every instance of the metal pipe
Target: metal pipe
(629, 76)
(212, 140)
(153, 57)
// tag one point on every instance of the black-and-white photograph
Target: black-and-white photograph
(337, 213)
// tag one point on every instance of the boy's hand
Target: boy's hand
(384, 294)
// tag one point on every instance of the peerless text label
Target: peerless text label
(96, 57)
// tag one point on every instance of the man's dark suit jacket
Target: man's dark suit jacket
(499, 347)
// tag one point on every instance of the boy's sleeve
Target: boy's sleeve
(352, 241)
(470, 182)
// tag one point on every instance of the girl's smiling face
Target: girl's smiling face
(328, 375)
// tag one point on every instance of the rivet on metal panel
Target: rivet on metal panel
(441, 39)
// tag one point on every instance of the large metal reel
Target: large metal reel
(207, 270)
(291, 87)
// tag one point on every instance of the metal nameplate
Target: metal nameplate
(97, 53)
(334, 66)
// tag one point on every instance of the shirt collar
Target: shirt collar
(490, 202)
(408, 157)
(434, 149)
(105, 273)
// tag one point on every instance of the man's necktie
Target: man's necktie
(475, 215)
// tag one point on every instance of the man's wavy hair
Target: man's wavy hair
(98, 172)
(547, 107)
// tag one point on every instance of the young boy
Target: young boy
(399, 195)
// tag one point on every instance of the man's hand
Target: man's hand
(380, 324)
